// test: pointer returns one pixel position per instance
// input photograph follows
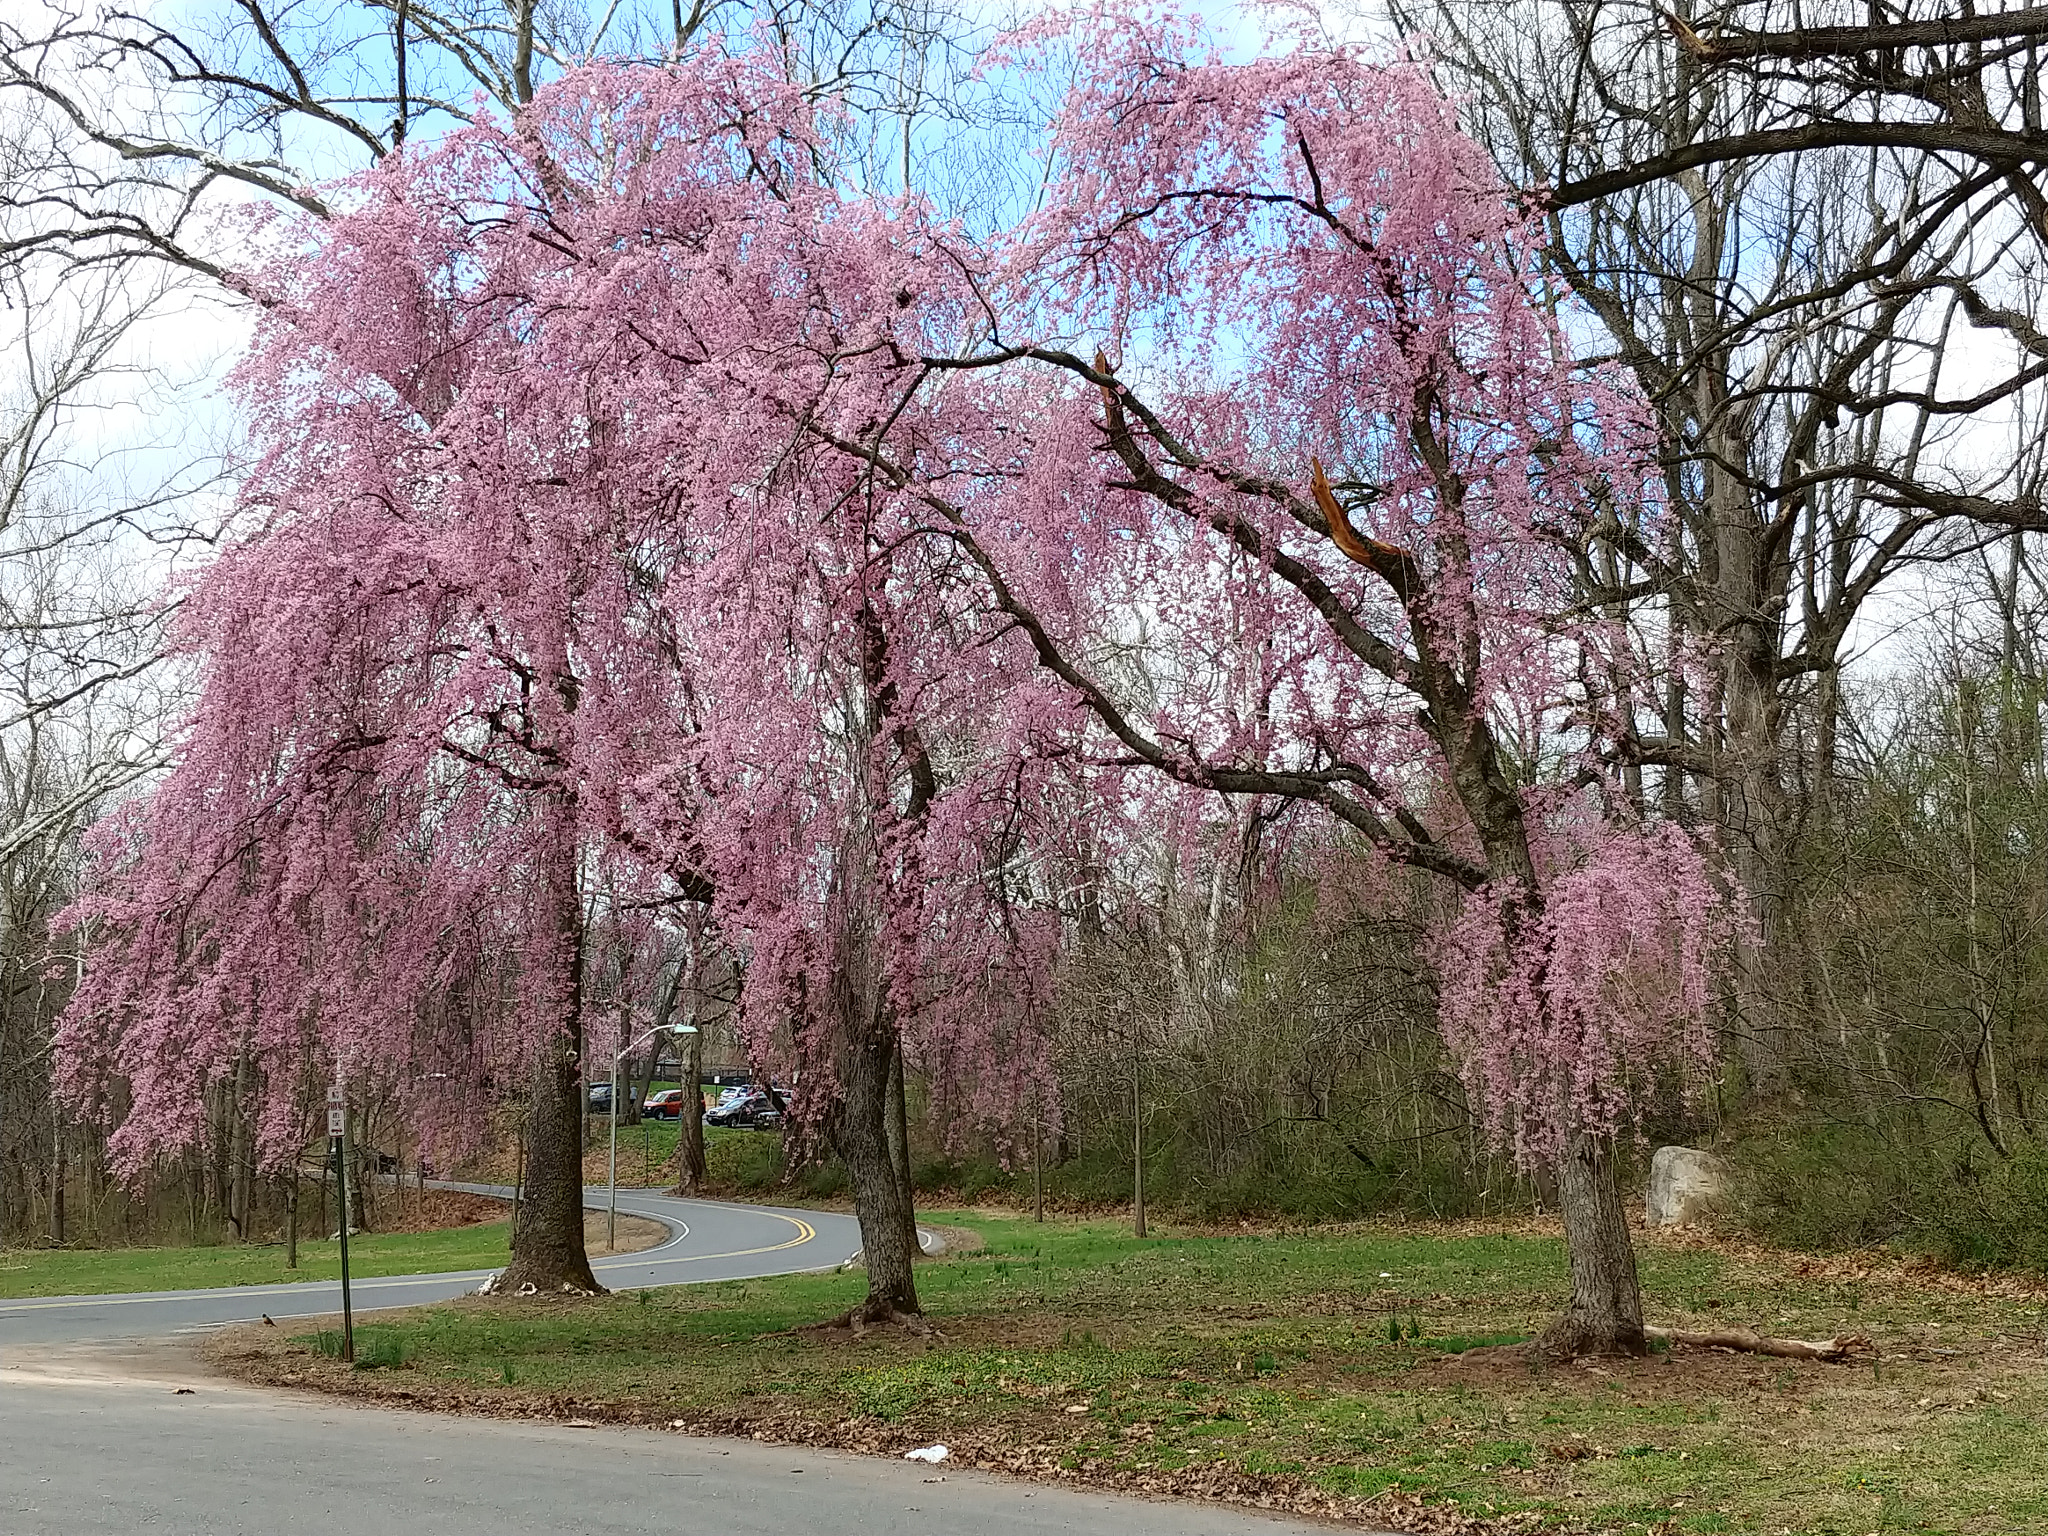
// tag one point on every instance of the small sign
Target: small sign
(334, 1093)
(336, 1118)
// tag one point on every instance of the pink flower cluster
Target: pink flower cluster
(637, 518)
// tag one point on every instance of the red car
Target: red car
(666, 1105)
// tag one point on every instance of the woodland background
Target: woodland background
(1812, 232)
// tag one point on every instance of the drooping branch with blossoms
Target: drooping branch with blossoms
(1305, 263)
(548, 595)
(689, 518)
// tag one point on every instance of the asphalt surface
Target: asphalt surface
(108, 1427)
(88, 1451)
(708, 1240)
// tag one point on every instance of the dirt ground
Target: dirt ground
(636, 1234)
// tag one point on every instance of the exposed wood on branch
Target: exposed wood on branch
(1749, 1342)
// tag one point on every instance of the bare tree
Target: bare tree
(150, 124)
(88, 531)
(1816, 248)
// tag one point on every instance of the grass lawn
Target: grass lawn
(742, 1161)
(645, 1151)
(101, 1271)
(1311, 1372)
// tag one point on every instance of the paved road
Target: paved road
(103, 1434)
(86, 1453)
(708, 1240)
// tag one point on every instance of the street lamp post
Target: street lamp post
(611, 1225)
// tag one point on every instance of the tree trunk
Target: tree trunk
(859, 1132)
(637, 1082)
(1751, 811)
(57, 1175)
(690, 1170)
(547, 1233)
(628, 1092)
(362, 1180)
(547, 1229)
(1606, 1312)
(1037, 1157)
(291, 1215)
(690, 1141)
(1137, 1147)
(640, 1083)
(240, 1155)
(899, 1142)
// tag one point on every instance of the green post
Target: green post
(338, 1138)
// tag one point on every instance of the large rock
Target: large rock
(1686, 1184)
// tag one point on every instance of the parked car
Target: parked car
(666, 1105)
(600, 1098)
(747, 1108)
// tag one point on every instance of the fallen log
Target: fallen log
(1748, 1342)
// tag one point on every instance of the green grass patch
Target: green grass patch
(105, 1271)
(1331, 1361)
(743, 1163)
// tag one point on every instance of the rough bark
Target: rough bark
(636, 1076)
(859, 1133)
(1742, 591)
(241, 1157)
(1137, 1148)
(899, 1142)
(691, 1171)
(547, 1234)
(547, 1227)
(1605, 1316)
(690, 1145)
(867, 1128)
(57, 1174)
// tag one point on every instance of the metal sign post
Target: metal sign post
(337, 1142)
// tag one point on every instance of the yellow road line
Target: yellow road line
(804, 1233)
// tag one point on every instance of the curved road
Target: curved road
(104, 1436)
(708, 1240)
(88, 1450)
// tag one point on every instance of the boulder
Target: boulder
(1686, 1184)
